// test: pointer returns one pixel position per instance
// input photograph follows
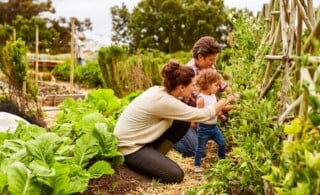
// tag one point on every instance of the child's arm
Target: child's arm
(200, 104)
(223, 103)
(231, 98)
(228, 107)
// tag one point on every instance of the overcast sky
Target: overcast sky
(99, 12)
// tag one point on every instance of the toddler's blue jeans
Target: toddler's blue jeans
(206, 133)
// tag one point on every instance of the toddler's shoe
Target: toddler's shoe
(198, 169)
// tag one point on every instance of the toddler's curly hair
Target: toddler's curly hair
(206, 78)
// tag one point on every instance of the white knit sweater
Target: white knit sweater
(149, 115)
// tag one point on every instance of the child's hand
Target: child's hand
(229, 107)
(237, 95)
(233, 97)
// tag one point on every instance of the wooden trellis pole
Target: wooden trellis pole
(287, 19)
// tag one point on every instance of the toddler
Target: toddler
(208, 82)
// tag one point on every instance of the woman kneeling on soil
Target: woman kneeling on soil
(153, 122)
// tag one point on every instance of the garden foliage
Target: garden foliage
(79, 147)
(265, 158)
(14, 65)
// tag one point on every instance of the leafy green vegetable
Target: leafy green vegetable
(44, 147)
(100, 168)
(20, 180)
(86, 148)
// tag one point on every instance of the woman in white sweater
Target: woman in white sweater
(154, 121)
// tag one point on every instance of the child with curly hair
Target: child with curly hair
(208, 82)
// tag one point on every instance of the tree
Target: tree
(26, 8)
(26, 31)
(204, 17)
(120, 20)
(171, 25)
(24, 15)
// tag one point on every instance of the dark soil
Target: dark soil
(123, 181)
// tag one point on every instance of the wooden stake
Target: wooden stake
(37, 55)
(304, 16)
(72, 60)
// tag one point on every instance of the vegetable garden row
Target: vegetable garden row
(266, 155)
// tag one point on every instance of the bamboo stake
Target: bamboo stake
(271, 81)
(303, 108)
(304, 15)
(311, 15)
(283, 27)
(299, 34)
(285, 86)
(72, 60)
(24, 92)
(316, 74)
(273, 16)
(314, 35)
(285, 61)
(37, 55)
(291, 32)
(269, 63)
(267, 33)
(289, 109)
(311, 59)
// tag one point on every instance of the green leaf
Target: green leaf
(26, 132)
(100, 168)
(69, 179)
(289, 177)
(314, 118)
(79, 179)
(314, 102)
(39, 168)
(5, 136)
(60, 182)
(89, 120)
(85, 149)
(104, 100)
(44, 147)
(20, 180)
(107, 143)
(302, 188)
(42, 173)
(12, 146)
(294, 127)
(312, 160)
(3, 182)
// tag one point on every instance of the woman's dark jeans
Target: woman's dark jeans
(151, 162)
(188, 144)
(205, 133)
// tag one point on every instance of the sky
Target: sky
(98, 11)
